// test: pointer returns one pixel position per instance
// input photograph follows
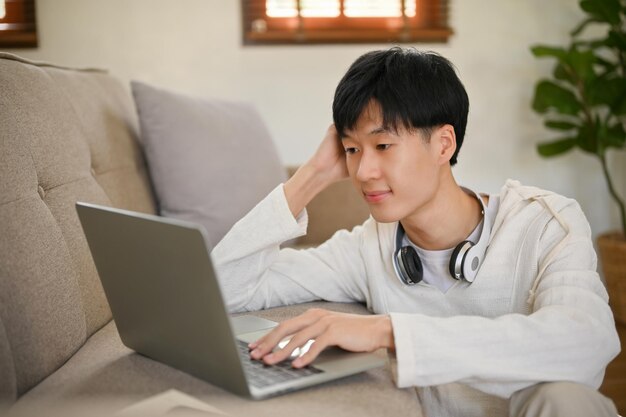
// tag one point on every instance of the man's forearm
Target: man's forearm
(302, 187)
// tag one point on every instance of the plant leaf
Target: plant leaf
(560, 125)
(587, 138)
(591, 43)
(615, 136)
(549, 95)
(541, 51)
(601, 91)
(557, 147)
(574, 65)
(561, 73)
(616, 40)
(606, 91)
(581, 62)
(620, 107)
(603, 10)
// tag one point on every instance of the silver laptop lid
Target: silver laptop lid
(161, 287)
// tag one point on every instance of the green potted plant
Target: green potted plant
(585, 101)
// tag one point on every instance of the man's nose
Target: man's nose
(368, 167)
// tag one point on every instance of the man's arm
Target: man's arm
(254, 273)
(569, 336)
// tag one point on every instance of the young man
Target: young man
(486, 301)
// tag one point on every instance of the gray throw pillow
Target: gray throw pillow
(210, 161)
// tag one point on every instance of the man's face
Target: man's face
(398, 173)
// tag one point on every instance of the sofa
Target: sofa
(70, 135)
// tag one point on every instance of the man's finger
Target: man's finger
(321, 343)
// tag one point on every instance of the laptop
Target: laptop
(166, 301)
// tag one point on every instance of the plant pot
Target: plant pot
(612, 247)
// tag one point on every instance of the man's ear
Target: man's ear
(446, 138)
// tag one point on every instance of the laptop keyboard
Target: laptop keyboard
(261, 375)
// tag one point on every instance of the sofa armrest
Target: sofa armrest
(337, 207)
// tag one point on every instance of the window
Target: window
(17, 23)
(344, 21)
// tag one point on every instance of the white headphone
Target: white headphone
(465, 260)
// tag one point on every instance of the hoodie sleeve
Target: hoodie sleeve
(254, 273)
(569, 334)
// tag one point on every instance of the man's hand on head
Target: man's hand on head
(330, 157)
(326, 166)
(356, 333)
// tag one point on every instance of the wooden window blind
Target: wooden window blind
(17, 23)
(344, 21)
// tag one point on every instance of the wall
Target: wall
(194, 46)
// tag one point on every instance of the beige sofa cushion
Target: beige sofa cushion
(66, 135)
(108, 376)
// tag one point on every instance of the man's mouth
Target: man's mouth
(376, 196)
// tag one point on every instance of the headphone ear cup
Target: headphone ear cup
(411, 265)
(458, 258)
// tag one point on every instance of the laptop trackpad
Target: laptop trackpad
(250, 324)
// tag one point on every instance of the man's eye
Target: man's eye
(383, 146)
(351, 150)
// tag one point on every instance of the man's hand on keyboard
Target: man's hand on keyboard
(356, 333)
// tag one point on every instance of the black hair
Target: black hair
(419, 90)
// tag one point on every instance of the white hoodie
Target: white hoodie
(537, 310)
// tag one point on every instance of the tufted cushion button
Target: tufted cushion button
(41, 191)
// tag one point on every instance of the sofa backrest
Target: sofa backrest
(65, 135)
